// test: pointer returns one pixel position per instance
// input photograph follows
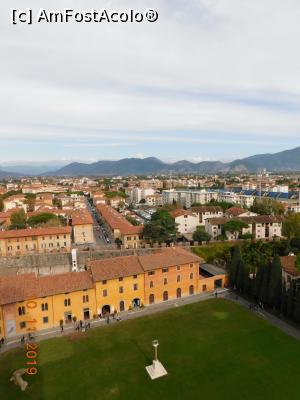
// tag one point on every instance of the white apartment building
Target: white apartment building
(186, 221)
(137, 194)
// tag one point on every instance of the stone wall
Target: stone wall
(55, 263)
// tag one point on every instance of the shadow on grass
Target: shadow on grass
(146, 356)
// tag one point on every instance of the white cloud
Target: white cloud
(210, 69)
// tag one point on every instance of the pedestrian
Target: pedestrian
(216, 294)
(80, 323)
(61, 329)
(107, 320)
(2, 340)
(23, 339)
(89, 325)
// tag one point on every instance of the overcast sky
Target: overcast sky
(212, 79)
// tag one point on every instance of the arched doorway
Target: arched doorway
(178, 293)
(165, 296)
(136, 303)
(105, 310)
(191, 289)
(122, 305)
(151, 299)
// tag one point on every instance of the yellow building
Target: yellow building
(39, 240)
(119, 283)
(82, 223)
(29, 303)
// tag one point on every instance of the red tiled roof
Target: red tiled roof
(81, 217)
(288, 264)
(202, 209)
(236, 211)
(116, 221)
(180, 212)
(113, 268)
(167, 258)
(35, 232)
(28, 286)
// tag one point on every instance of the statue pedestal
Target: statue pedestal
(156, 370)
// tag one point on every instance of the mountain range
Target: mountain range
(284, 161)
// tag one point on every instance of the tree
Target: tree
(18, 220)
(42, 218)
(291, 226)
(240, 276)
(290, 301)
(30, 201)
(142, 201)
(258, 282)
(118, 242)
(200, 235)
(161, 228)
(283, 305)
(267, 207)
(275, 282)
(264, 289)
(1, 204)
(234, 265)
(235, 227)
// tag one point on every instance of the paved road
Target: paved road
(100, 234)
(156, 308)
(279, 323)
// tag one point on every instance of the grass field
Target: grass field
(212, 350)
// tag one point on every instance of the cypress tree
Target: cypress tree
(247, 281)
(233, 269)
(264, 290)
(290, 301)
(258, 282)
(240, 276)
(283, 305)
(275, 283)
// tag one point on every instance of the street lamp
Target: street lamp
(155, 344)
(156, 369)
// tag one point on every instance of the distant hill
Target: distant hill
(9, 174)
(288, 160)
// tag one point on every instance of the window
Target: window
(134, 276)
(21, 310)
(191, 265)
(22, 325)
(120, 279)
(204, 288)
(178, 278)
(165, 281)
(45, 320)
(67, 302)
(151, 284)
(178, 268)
(151, 273)
(135, 286)
(191, 276)
(164, 270)
(104, 282)
(104, 293)
(128, 237)
(44, 306)
(121, 289)
(85, 298)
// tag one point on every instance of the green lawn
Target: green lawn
(212, 350)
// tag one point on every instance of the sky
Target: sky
(210, 80)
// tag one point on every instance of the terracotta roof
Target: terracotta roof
(167, 257)
(28, 286)
(35, 232)
(180, 212)
(14, 288)
(82, 217)
(116, 221)
(212, 209)
(14, 197)
(113, 268)
(236, 211)
(288, 264)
